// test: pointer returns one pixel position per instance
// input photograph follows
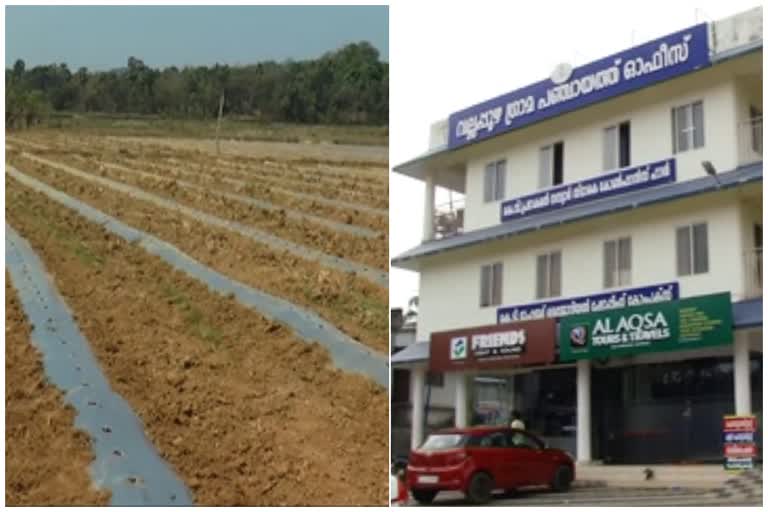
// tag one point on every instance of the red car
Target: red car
(478, 460)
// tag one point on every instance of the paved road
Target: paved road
(603, 496)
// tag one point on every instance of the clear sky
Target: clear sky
(104, 37)
(473, 51)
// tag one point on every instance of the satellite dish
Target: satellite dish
(562, 73)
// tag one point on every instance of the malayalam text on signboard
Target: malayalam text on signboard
(600, 187)
(617, 299)
(661, 59)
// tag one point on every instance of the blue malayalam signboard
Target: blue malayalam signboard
(589, 303)
(605, 185)
(638, 67)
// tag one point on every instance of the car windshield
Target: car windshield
(443, 442)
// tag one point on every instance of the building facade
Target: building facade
(604, 274)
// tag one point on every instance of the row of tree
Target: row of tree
(347, 86)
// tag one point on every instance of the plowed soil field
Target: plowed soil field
(244, 411)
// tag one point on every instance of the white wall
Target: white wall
(649, 112)
(443, 396)
(450, 283)
(403, 338)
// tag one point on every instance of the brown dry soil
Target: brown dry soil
(198, 173)
(46, 457)
(255, 182)
(354, 305)
(245, 413)
(336, 182)
(255, 149)
(342, 181)
(369, 251)
(204, 170)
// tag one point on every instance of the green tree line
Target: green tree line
(346, 86)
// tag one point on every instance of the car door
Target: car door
(530, 467)
(492, 449)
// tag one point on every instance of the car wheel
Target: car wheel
(425, 497)
(480, 488)
(562, 479)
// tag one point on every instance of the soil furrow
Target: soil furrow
(246, 413)
(355, 306)
(335, 252)
(301, 171)
(130, 175)
(357, 214)
(46, 457)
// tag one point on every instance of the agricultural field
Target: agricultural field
(265, 401)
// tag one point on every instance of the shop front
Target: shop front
(510, 367)
(662, 377)
(644, 384)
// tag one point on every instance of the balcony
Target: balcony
(448, 219)
(753, 263)
(750, 134)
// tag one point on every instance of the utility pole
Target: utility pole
(218, 124)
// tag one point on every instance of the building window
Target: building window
(435, 379)
(617, 262)
(616, 146)
(551, 165)
(756, 121)
(495, 180)
(688, 127)
(548, 275)
(490, 285)
(692, 250)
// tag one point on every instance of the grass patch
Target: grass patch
(69, 239)
(194, 319)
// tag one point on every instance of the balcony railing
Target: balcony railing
(753, 263)
(449, 219)
(751, 140)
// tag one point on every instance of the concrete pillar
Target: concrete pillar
(429, 206)
(418, 378)
(511, 394)
(583, 412)
(461, 401)
(742, 386)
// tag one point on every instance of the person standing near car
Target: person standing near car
(516, 421)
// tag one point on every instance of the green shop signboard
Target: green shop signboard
(696, 322)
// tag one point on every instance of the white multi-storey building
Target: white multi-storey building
(632, 184)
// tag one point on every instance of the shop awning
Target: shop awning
(746, 314)
(415, 353)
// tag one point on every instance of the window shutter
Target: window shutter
(625, 261)
(554, 274)
(558, 163)
(682, 124)
(700, 249)
(488, 197)
(610, 148)
(674, 130)
(684, 251)
(501, 179)
(756, 120)
(624, 144)
(485, 281)
(541, 276)
(497, 280)
(609, 264)
(698, 124)
(545, 167)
